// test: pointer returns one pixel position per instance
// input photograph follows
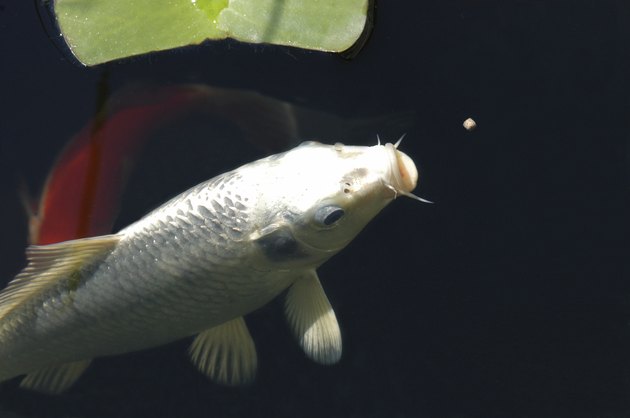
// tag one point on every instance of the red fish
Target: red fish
(82, 192)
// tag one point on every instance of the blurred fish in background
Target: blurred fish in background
(81, 194)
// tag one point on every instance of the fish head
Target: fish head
(324, 195)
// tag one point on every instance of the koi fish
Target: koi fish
(197, 264)
(81, 194)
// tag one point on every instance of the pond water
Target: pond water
(508, 297)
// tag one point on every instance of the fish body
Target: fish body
(197, 264)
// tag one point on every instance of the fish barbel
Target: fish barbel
(197, 264)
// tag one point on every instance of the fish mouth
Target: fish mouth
(403, 171)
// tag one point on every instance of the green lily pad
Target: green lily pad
(98, 31)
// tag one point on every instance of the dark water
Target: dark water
(510, 297)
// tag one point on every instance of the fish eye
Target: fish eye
(328, 215)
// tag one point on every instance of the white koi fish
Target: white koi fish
(197, 264)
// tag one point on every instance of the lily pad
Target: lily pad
(98, 31)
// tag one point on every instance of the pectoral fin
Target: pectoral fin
(313, 320)
(226, 353)
(47, 264)
(55, 379)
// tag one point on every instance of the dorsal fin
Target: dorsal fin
(226, 353)
(313, 320)
(49, 263)
(55, 379)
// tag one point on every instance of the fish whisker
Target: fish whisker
(400, 140)
(415, 197)
(407, 194)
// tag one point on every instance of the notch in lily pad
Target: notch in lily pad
(98, 31)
